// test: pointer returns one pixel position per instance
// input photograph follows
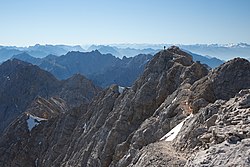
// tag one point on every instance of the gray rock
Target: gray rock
(223, 154)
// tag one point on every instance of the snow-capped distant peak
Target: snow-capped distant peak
(235, 45)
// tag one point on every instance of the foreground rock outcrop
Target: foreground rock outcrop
(132, 126)
(225, 135)
(217, 136)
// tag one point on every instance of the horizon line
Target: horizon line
(110, 44)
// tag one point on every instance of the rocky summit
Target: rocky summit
(177, 113)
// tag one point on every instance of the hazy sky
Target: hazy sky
(27, 22)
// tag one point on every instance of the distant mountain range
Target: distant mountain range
(223, 52)
(103, 69)
(37, 51)
(121, 52)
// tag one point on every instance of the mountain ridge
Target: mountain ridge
(125, 128)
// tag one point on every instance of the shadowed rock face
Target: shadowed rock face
(21, 83)
(222, 83)
(124, 128)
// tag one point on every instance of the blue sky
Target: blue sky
(27, 22)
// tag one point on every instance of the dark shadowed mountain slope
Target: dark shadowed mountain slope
(123, 73)
(27, 58)
(85, 63)
(21, 82)
(103, 69)
(73, 62)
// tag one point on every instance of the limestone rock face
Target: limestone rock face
(175, 82)
(217, 135)
(222, 129)
(223, 154)
(158, 154)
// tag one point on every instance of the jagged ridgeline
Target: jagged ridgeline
(177, 113)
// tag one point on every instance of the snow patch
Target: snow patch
(171, 135)
(121, 89)
(85, 128)
(36, 162)
(174, 99)
(85, 125)
(33, 121)
(172, 102)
